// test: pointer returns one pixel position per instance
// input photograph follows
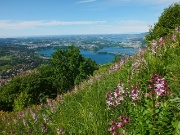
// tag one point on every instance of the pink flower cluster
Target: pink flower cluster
(115, 98)
(118, 65)
(52, 104)
(33, 116)
(154, 47)
(60, 131)
(138, 65)
(135, 93)
(122, 120)
(159, 86)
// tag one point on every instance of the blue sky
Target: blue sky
(64, 17)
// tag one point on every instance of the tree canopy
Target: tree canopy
(167, 22)
(66, 69)
(70, 67)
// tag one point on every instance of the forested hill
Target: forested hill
(136, 95)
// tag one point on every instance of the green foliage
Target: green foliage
(168, 21)
(117, 57)
(21, 101)
(67, 68)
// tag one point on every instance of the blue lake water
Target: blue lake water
(99, 58)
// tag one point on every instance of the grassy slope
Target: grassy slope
(84, 111)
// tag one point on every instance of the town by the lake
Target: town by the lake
(23, 54)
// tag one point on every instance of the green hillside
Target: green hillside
(137, 95)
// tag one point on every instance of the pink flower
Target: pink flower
(159, 84)
(111, 129)
(119, 125)
(135, 92)
(121, 117)
(147, 95)
(115, 98)
(114, 133)
(158, 103)
(126, 120)
(24, 122)
(114, 128)
(150, 86)
(159, 92)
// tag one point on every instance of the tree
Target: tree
(69, 68)
(168, 21)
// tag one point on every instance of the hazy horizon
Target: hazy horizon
(19, 18)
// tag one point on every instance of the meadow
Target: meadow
(136, 95)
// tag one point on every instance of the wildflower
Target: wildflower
(121, 117)
(46, 120)
(43, 128)
(115, 98)
(60, 131)
(33, 115)
(161, 39)
(111, 129)
(119, 124)
(138, 65)
(158, 103)
(147, 95)
(20, 115)
(154, 47)
(24, 122)
(52, 104)
(135, 92)
(117, 65)
(125, 120)
(114, 133)
(60, 98)
(150, 86)
(120, 88)
(159, 85)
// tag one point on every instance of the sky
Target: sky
(70, 17)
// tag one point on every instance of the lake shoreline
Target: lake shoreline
(102, 56)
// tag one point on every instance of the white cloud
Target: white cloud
(6, 24)
(86, 1)
(32, 28)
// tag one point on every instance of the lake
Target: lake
(100, 58)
